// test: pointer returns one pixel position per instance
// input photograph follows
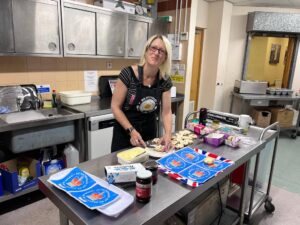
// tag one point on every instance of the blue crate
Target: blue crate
(1, 186)
(10, 177)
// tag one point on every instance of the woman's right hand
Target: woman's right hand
(136, 139)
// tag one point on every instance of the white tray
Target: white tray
(113, 209)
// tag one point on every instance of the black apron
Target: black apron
(142, 114)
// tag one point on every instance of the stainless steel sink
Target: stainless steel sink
(32, 115)
(35, 129)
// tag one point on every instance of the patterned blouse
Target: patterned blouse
(128, 77)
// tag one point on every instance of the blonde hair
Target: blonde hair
(165, 67)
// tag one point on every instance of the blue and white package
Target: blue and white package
(95, 197)
(190, 155)
(197, 174)
(217, 166)
(174, 163)
(75, 180)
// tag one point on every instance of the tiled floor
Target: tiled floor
(287, 165)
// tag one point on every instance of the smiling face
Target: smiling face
(156, 53)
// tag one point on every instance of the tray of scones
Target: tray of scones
(179, 140)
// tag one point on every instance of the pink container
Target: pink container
(214, 139)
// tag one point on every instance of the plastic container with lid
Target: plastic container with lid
(143, 186)
(75, 97)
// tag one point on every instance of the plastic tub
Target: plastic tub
(75, 97)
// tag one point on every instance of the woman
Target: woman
(137, 96)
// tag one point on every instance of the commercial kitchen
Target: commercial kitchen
(235, 113)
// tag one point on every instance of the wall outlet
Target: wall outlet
(109, 65)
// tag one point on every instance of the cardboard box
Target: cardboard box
(205, 209)
(122, 173)
(283, 116)
(262, 118)
(9, 171)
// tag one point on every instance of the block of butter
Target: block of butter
(133, 155)
(122, 173)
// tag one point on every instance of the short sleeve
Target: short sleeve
(125, 75)
(166, 84)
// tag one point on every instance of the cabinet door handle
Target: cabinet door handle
(52, 46)
(131, 51)
(71, 46)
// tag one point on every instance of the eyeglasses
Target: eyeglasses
(154, 49)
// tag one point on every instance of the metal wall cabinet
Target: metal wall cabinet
(137, 35)
(6, 27)
(111, 34)
(158, 26)
(36, 25)
(79, 29)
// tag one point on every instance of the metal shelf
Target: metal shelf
(233, 201)
(7, 195)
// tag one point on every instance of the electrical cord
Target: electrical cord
(221, 204)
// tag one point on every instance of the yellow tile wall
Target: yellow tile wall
(63, 74)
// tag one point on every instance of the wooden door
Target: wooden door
(195, 82)
(288, 62)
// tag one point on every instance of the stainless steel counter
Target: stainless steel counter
(101, 106)
(267, 97)
(168, 195)
(241, 103)
(69, 116)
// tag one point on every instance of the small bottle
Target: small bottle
(54, 100)
(143, 186)
(71, 156)
(46, 158)
(203, 116)
(151, 165)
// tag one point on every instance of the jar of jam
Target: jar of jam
(143, 186)
(151, 165)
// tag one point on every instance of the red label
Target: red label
(143, 190)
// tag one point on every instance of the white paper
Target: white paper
(91, 80)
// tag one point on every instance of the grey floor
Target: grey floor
(285, 192)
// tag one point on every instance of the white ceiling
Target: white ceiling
(264, 3)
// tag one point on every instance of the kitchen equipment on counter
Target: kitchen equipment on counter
(8, 98)
(250, 87)
(104, 85)
(100, 131)
(75, 97)
(30, 99)
(279, 91)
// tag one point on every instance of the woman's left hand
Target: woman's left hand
(166, 141)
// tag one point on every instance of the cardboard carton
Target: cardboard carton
(283, 116)
(9, 171)
(261, 117)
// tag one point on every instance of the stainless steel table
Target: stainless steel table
(168, 196)
(265, 101)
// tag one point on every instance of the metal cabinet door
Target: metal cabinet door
(79, 32)
(137, 37)
(36, 26)
(111, 33)
(158, 26)
(6, 27)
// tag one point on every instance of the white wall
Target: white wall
(222, 56)
(237, 41)
(210, 74)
